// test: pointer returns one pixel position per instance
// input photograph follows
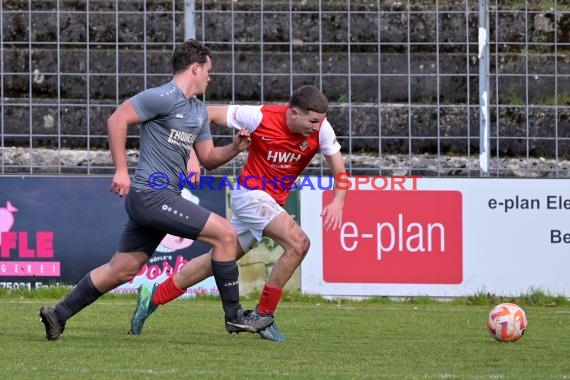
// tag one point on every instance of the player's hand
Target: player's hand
(242, 139)
(121, 183)
(193, 167)
(332, 216)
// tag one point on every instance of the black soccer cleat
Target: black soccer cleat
(248, 321)
(54, 328)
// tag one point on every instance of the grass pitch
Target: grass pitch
(375, 339)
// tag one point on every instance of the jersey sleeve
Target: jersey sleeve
(148, 104)
(244, 116)
(327, 139)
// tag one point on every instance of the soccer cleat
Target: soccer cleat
(144, 308)
(248, 321)
(272, 332)
(54, 328)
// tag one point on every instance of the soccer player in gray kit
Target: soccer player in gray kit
(173, 121)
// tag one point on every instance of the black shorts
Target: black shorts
(153, 214)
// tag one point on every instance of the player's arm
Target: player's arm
(193, 166)
(211, 157)
(236, 116)
(117, 125)
(245, 121)
(332, 212)
(218, 115)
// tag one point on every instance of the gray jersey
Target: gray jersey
(170, 125)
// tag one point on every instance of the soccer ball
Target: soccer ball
(507, 322)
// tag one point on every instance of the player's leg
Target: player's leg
(122, 267)
(136, 245)
(200, 268)
(186, 219)
(193, 272)
(196, 270)
(258, 214)
(295, 243)
(181, 217)
(219, 234)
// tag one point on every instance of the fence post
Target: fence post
(189, 19)
(484, 59)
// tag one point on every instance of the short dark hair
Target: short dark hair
(189, 52)
(309, 98)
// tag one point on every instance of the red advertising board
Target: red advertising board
(396, 237)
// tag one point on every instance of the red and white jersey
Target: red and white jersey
(277, 155)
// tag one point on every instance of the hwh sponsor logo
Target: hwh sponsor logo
(282, 156)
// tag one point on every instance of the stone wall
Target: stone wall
(60, 87)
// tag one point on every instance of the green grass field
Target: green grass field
(376, 339)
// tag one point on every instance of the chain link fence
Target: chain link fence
(402, 78)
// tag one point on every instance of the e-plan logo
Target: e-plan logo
(396, 237)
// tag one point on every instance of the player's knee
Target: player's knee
(305, 244)
(117, 278)
(302, 245)
(123, 267)
(126, 276)
(226, 237)
(229, 236)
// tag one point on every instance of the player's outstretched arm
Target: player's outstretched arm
(211, 157)
(218, 115)
(332, 212)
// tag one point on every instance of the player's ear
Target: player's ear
(195, 67)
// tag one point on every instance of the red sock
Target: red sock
(166, 292)
(269, 300)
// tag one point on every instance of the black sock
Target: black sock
(84, 294)
(226, 275)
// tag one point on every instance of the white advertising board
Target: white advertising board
(448, 237)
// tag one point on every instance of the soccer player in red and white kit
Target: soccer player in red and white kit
(284, 139)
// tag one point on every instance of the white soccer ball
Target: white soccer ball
(507, 322)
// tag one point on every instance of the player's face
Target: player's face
(202, 72)
(306, 123)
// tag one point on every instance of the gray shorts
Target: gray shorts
(153, 214)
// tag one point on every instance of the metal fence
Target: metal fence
(403, 78)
